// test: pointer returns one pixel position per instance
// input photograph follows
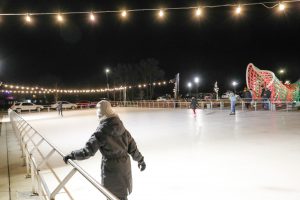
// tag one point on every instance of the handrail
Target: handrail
(23, 128)
(202, 104)
(210, 104)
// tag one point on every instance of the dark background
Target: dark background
(218, 47)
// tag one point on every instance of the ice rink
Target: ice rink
(254, 155)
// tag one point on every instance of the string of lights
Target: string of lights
(13, 88)
(281, 5)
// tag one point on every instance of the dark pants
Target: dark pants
(60, 112)
(266, 104)
(247, 105)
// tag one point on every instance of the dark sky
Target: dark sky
(217, 47)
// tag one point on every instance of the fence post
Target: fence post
(28, 167)
(243, 105)
(33, 177)
(221, 105)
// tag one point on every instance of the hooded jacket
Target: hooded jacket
(194, 103)
(115, 144)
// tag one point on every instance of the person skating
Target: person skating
(266, 98)
(232, 98)
(115, 144)
(194, 105)
(248, 98)
(60, 108)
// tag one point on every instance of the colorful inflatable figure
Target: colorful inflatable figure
(258, 79)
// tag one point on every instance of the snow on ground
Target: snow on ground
(211, 156)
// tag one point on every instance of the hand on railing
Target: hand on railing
(67, 157)
(142, 164)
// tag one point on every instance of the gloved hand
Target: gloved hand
(67, 157)
(142, 164)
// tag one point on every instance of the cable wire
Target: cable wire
(265, 4)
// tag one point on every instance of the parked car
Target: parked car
(86, 104)
(207, 98)
(113, 103)
(162, 98)
(21, 106)
(65, 104)
(225, 95)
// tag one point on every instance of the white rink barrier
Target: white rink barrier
(30, 140)
(222, 104)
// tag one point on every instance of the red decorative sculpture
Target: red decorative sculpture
(257, 79)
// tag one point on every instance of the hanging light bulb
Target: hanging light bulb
(281, 7)
(92, 17)
(198, 12)
(161, 13)
(28, 18)
(238, 10)
(124, 13)
(60, 18)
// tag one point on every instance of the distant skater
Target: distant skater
(247, 98)
(194, 105)
(232, 98)
(266, 98)
(60, 109)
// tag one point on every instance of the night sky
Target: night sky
(218, 47)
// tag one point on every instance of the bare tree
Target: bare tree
(150, 72)
(146, 71)
(51, 81)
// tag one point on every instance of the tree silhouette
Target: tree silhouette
(144, 72)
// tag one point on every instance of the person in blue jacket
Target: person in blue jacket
(232, 98)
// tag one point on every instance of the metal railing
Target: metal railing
(26, 136)
(221, 104)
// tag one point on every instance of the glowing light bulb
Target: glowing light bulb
(124, 13)
(60, 18)
(161, 13)
(92, 17)
(238, 10)
(28, 18)
(198, 12)
(281, 7)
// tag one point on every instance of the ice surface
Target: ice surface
(254, 155)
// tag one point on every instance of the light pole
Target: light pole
(216, 89)
(107, 84)
(234, 84)
(189, 86)
(196, 80)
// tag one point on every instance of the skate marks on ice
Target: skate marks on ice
(253, 155)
